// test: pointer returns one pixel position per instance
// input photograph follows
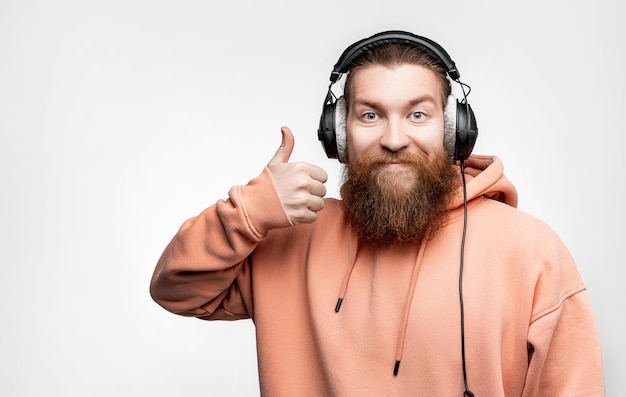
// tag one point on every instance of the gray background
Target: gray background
(121, 119)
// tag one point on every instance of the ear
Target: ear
(341, 114)
(449, 133)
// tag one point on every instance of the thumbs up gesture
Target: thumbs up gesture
(300, 186)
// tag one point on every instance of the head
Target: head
(394, 55)
(398, 178)
(400, 78)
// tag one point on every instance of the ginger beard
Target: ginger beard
(398, 207)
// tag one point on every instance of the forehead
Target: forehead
(397, 82)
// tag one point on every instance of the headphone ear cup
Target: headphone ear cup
(326, 131)
(466, 131)
(450, 120)
(332, 129)
(341, 115)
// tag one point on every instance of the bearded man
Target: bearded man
(416, 282)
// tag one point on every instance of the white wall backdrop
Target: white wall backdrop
(121, 119)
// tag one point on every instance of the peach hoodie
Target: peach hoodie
(529, 327)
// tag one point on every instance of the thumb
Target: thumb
(286, 147)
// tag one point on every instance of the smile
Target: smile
(394, 166)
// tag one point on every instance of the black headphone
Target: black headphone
(460, 126)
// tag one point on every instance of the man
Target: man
(423, 280)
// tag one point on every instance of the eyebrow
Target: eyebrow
(378, 105)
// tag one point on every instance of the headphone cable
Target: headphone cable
(467, 392)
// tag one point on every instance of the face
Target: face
(398, 180)
(395, 110)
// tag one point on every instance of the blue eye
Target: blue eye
(418, 115)
(370, 116)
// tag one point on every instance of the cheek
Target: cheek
(432, 141)
(433, 145)
(353, 147)
(359, 141)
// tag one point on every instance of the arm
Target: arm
(204, 271)
(564, 347)
(565, 359)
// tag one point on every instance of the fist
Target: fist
(300, 186)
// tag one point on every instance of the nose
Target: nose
(394, 138)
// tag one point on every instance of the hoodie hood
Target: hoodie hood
(484, 177)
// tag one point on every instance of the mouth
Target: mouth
(394, 165)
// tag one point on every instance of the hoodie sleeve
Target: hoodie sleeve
(204, 271)
(564, 347)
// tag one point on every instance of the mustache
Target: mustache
(392, 157)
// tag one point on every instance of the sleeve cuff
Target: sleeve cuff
(261, 204)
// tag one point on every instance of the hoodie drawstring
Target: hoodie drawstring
(407, 306)
(346, 279)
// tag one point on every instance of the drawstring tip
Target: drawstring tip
(396, 367)
(338, 305)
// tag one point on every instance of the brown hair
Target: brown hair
(396, 55)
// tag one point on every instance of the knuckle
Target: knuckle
(301, 199)
(304, 216)
(299, 167)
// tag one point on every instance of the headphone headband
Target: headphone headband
(460, 129)
(392, 37)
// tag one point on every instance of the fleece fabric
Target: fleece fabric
(529, 326)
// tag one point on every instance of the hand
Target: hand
(300, 186)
